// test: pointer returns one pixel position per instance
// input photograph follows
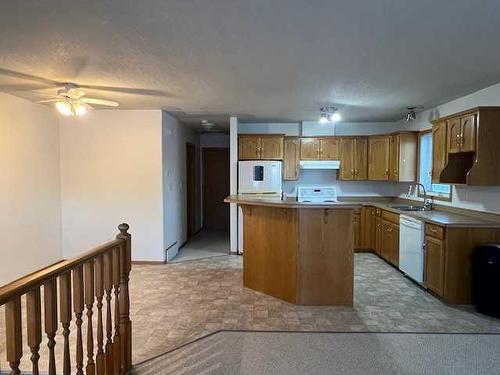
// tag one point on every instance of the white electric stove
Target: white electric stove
(316, 194)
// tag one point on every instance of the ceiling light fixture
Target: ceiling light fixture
(68, 107)
(411, 115)
(328, 115)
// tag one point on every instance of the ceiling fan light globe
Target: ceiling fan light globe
(64, 108)
(323, 119)
(79, 109)
(335, 117)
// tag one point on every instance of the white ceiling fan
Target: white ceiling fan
(72, 101)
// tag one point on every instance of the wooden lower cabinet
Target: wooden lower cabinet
(356, 228)
(434, 265)
(378, 236)
(367, 228)
(390, 242)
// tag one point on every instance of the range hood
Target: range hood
(320, 164)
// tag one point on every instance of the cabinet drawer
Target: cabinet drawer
(434, 231)
(390, 216)
(378, 212)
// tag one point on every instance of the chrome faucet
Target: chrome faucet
(427, 206)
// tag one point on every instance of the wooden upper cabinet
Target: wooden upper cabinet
(394, 157)
(403, 152)
(439, 153)
(454, 133)
(257, 147)
(468, 133)
(360, 158)
(346, 156)
(310, 148)
(329, 149)
(378, 158)
(249, 147)
(462, 134)
(291, 158)
(353, 155)
(434, 265)
(271, 147)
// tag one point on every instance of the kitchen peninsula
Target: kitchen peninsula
(302, 253)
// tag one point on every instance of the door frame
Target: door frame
(190, 190)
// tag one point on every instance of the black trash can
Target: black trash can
(486, 279)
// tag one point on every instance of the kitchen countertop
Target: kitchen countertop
(288, 203)
(436, 216)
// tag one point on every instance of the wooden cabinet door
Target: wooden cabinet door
(248, 147)
(367, 228)
(385, 243)
(346, 154)
(309, 148)
(271, 148)
(468, 135)
(329, 149)
(439, 154)
(390, 242)
(360, 159)
(357, 234)
(394, 233)
(454, 135)
(291, 158)
(378, 236)
(394, 158)
(434, 265)
(378, 158)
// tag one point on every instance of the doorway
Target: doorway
(190, 189)
(213, 239)
(215, 188)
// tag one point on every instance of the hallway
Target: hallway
(205, 244)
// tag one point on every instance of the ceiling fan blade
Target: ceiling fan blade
(107, 103)
(86, 105)
(127, 90)
(25, 87)
(30, 77)
(48, 100)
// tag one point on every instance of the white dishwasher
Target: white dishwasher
(411, 247)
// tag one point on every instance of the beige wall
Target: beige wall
(30, 211)
(111, 172)
(175, 136)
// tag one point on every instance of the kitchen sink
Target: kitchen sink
(406, 207)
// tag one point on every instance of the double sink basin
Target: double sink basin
(406, 207)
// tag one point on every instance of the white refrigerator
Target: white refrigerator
(257, 179)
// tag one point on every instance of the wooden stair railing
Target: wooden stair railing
(99, 276)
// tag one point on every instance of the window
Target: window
(425, 169)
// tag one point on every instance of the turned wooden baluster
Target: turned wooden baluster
(125, 323)
(50, 313)
(13, 334)
(116, 339)
(99, 292)
(108, 286)
(34, 326)
(66, 313)
(78, 310)
(89, 302)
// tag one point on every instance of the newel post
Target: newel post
(124, 298)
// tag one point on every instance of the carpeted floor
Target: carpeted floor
(288, 353)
